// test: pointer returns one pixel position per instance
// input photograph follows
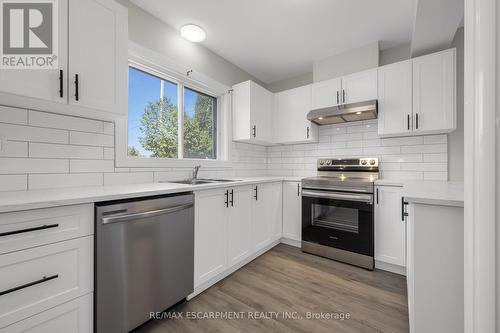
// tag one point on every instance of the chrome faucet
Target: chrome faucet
(195, 172)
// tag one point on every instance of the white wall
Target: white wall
(394, 54)
(147, 30)
(348, 62)
(290, 83)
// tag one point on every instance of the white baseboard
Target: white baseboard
(232, 269)
(291, 242)
(401, 270)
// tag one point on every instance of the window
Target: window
(157, 129)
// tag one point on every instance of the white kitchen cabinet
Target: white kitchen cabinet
(210, 234)
(42, 83)
(266, 214)
(98, 55)
(326, 93)
(252, 113)
(75, 316)
(290, 116)
(95, 52)
(390, 228)
(395, 116)
(239, 224)
(434, 91)
(292, 211)
(353, 88)
(39, 278)
(359, 87)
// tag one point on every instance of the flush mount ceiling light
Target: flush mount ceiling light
(193, 33)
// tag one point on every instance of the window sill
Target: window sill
(144, 162)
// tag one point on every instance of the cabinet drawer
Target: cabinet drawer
(22, 230)
(74, 316)
(40, 278)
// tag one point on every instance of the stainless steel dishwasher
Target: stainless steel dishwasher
(144, 259)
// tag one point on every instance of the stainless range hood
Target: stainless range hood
(344, 113)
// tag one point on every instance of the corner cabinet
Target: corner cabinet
(292, 213)
(418, 96)
(390, 228)
(252, 108)
(91, 80)
(290, 116)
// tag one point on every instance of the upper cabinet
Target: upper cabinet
(252, 113)
(434, 89)
(357, 87)
(98, 55)
(395, 99)
(290, 116)
(417, 96)
(91, 79)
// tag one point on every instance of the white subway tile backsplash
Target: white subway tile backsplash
(92, 166)
(64, 180)
(13, 182)
(108, 128)
(435, 175)
(434, 139)
(91, 139)
(438, 148)
(128, 178)
(32, 165)
(14, 149)
(13, 115)
(108, 153)
(33, 134)
(440, 157)
(48, 150)
(52, 120)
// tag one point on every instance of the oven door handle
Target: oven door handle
(368, 198)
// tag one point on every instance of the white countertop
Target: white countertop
(32, 199)
(441, 193)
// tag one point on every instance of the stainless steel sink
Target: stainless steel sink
(200, 181)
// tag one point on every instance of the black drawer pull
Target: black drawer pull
(61, 83)
(232, 198)
(77, 88)
(403, 212)
(256, 189)
(44, 279)
(226, 202)
(42, 227)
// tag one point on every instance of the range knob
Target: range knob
(363, 162)
(328, 162)
(321, 162)
(372, 162)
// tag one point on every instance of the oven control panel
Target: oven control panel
(366, 162)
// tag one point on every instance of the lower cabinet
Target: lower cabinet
(390, 228)
(266, 214)
(75, 316)
(292, 211)
(232, 224)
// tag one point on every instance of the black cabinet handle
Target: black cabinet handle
(254, 131)
(226, 202)
(232, 198)
(44, 279)
(298, 190)
(343, 95)
(77, 93)
(408, 122)
(416, 120)
(403, 213)
(61, 83)
(42, 227)
(256, 191)
(377, 195)
(307, 132)
(338, 97)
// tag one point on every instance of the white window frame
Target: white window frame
(158, 65)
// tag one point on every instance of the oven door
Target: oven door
(342, 220)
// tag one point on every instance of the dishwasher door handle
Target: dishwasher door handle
(124, 218)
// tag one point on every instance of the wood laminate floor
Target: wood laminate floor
(287, 281)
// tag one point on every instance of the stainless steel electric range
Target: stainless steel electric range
(337, 210)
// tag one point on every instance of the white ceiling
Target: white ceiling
(279, 39)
